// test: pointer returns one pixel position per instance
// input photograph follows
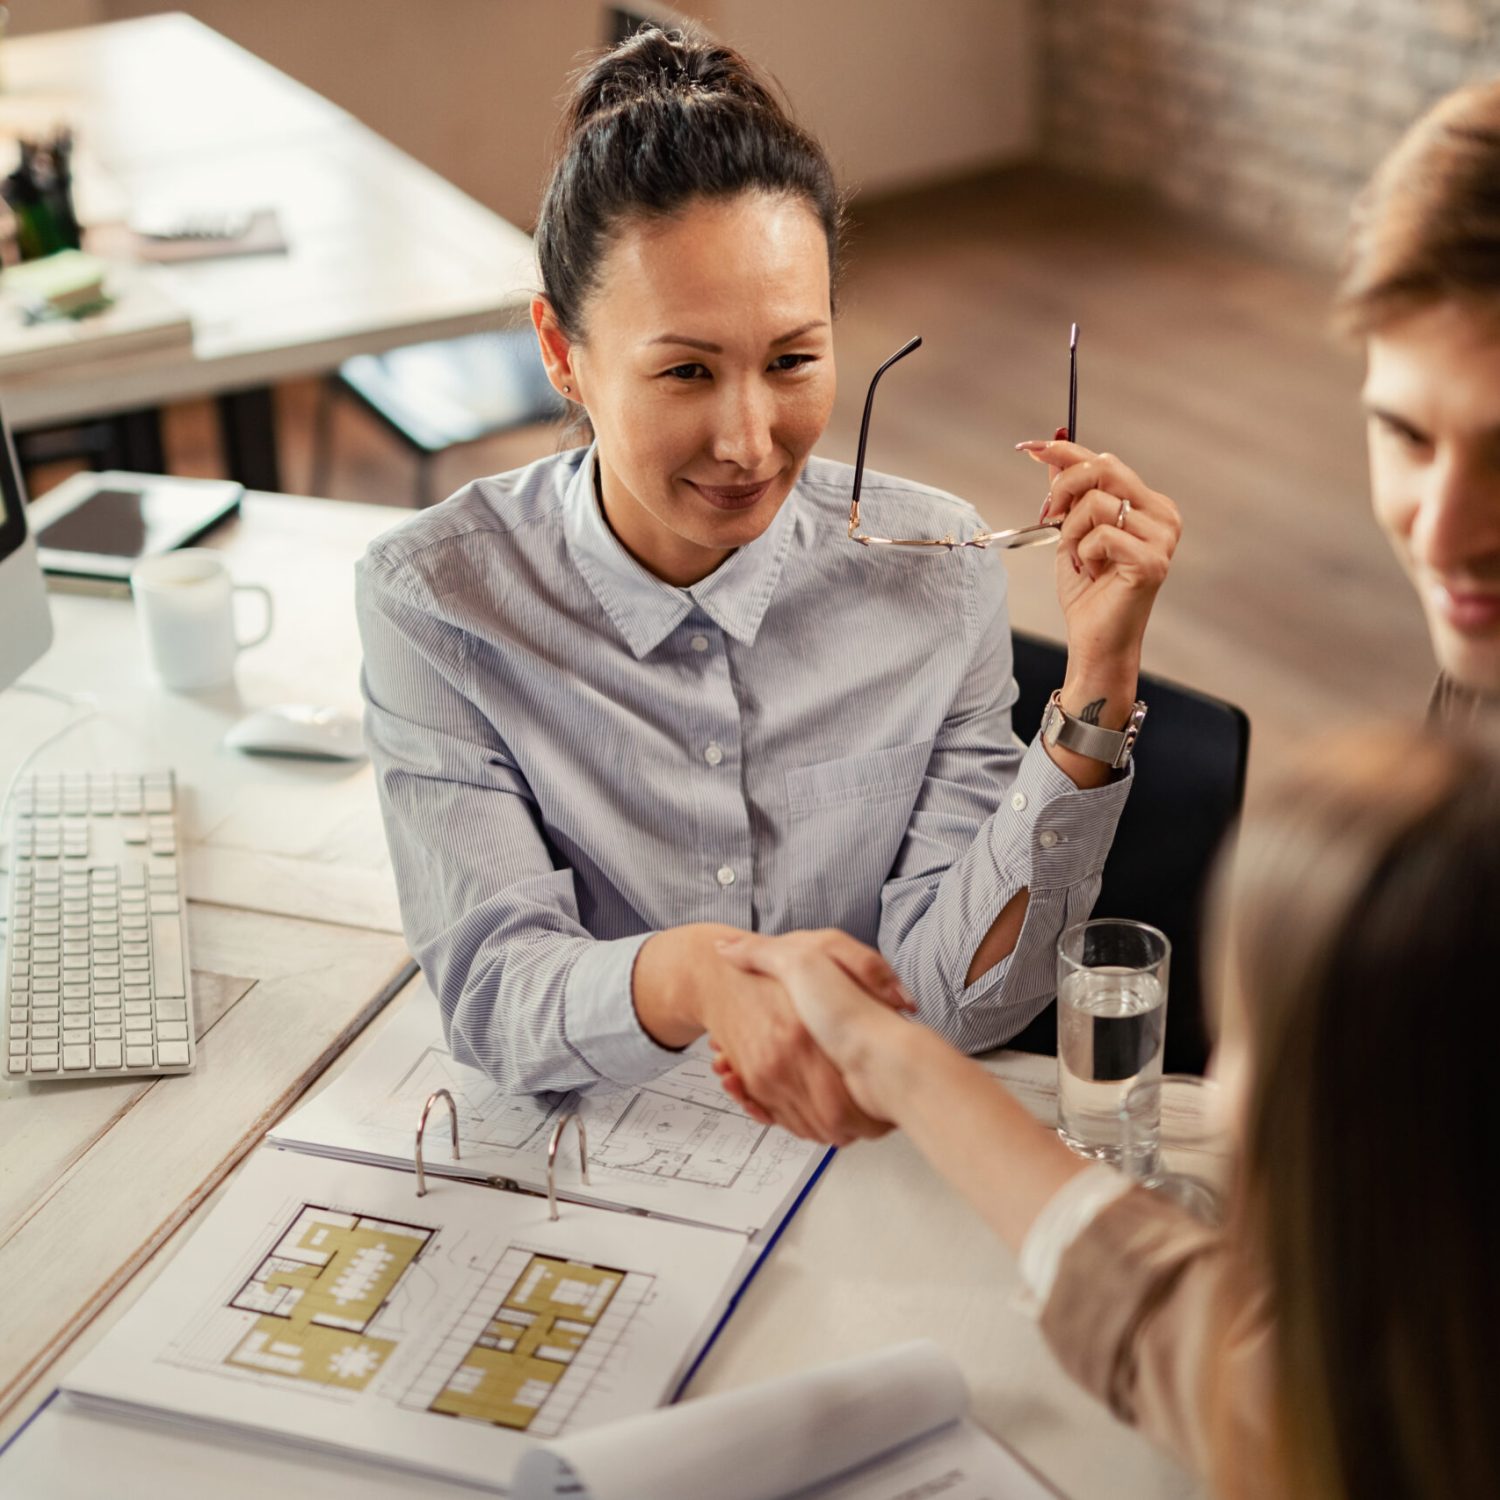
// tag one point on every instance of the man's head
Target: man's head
(1421, 287)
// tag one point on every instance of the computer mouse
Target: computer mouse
(299, 729)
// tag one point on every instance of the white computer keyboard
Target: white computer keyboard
(97, 979)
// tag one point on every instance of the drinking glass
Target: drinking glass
(1177, 1142)
(1111, 1023)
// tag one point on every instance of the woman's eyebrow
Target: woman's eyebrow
(708, 348)
(797, 333)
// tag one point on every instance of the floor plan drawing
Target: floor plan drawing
(676, 1145)
(486, 1117)
(530, 1344)
(316, 1293)
(670, 1135)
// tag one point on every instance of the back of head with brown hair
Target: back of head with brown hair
(1359, 922)
(1427, 227)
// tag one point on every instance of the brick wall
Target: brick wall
(1264, 115)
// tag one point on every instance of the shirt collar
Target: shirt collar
(644, 609)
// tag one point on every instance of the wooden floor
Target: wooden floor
(1204, 366)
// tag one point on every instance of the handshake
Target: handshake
(807, 1029)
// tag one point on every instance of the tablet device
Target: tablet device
(102, 525)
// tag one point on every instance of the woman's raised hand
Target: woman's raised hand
(1118, 537)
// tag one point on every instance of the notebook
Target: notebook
(325, 1308)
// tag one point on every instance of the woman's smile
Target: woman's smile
(732, 497)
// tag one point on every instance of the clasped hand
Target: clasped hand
(794, 1060)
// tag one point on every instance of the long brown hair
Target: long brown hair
(1427, 227)
(1357, 923)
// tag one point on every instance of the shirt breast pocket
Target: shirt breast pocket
(845, 822)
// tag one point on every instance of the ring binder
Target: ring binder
(583, 1157)
(432, 1099)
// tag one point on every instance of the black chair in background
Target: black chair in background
(1189, 787)
(434, 396)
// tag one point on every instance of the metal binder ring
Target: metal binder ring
(432, 1099)
(552, 1145)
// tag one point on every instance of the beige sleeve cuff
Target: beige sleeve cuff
(1148, 1313)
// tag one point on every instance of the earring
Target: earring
(567, 390)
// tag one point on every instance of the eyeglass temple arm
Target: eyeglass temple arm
(864, 426)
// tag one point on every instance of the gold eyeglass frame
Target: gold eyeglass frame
(1015, 536)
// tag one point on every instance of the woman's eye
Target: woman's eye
(792, 361)
(1404, 436)
(687, 372)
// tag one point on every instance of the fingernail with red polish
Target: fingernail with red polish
(1077, 566)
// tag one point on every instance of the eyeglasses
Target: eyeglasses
(1016, 536)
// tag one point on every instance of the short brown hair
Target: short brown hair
(1426, 229)
(1358, 924)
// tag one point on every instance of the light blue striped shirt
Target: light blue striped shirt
(572, 755)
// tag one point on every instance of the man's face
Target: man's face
(1432, 392)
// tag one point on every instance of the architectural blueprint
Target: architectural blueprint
(677, 1146)
(323, 1303)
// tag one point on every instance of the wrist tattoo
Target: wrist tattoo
(1090, 712)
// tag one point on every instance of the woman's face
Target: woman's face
(707, 371)
(1432, 393)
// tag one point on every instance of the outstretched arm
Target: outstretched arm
(962, 1120)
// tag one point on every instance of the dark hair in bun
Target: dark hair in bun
(661, 119)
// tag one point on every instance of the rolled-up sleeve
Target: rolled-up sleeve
(526, 993)
(1164, 1322)
(991, 820)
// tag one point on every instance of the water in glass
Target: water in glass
(1110, 1024)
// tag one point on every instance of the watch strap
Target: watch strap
(1112, 746)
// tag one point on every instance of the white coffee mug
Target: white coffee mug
(184, 601)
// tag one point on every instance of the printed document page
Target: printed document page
(678, 1146)
(886, 1426)
(323, 1302)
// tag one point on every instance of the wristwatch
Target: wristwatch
(1113, 746)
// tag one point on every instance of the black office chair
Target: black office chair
(1189, 787)
(435, 396)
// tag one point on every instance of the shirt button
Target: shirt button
(1047, 838)
(699, 643)
(725, 875)
(1018, 801)
(713, 755)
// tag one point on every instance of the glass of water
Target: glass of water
(1111, 1023)
(1177, 1142)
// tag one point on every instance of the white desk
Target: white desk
(383, 252)
(882, 1251)
(293, 926)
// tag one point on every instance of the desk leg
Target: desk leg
(138, 441)
(247, 430)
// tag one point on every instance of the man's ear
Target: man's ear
(557, 349)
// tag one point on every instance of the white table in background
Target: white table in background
(382, 251)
